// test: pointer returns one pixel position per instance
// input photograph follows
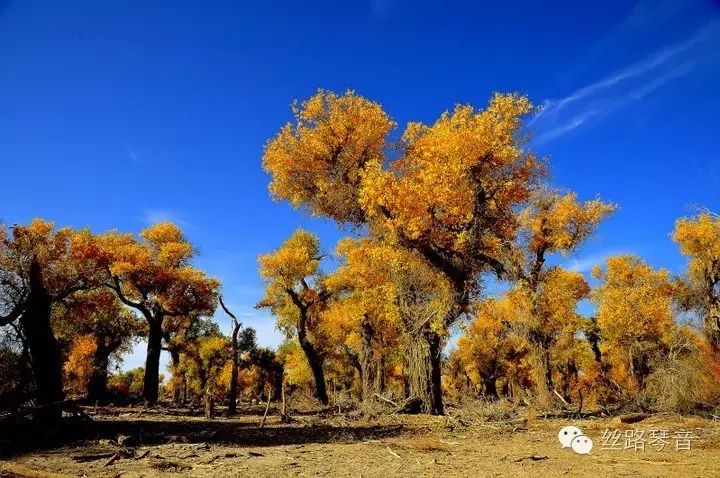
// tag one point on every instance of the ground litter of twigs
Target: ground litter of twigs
(159, 442)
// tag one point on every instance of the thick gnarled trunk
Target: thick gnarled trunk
(42, 346)
(423, 371)
(543, 374)
(151, 382)
(97, 384)
(712, 327)
(314, 361)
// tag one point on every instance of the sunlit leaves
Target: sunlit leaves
(699, 239)
(560, 223)
(152, 270)
(634, 302)
(457, 181)
(317, 162)
(297, 258)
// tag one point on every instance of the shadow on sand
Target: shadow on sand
(139, 432)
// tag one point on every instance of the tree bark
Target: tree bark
(543, 374)
(175, 359)
(422, 365)
(490, 388)
(278, 373)
(42, 345)
(97, 384)
(233, 391)
(379, 385)
(712, 328)
(367, 374)
(209, 403)
(315, 361)
(151, 382)
(490, 383)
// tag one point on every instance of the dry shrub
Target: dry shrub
(15, 378)
(682, 385)
(490, 411)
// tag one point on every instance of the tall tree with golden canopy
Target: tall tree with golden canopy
(389, 297)
(552, 224)
(449, 193)
(634, 314)
(108, 327)
(154, 275)
(296, 295)
(38, 268)
(699, 239)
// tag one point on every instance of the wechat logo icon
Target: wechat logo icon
(574, 438)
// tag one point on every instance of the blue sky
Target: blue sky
(118, 114)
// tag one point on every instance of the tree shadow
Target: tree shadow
(143, 432)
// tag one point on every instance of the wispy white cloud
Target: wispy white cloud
(153, 216)
(569, 125)
(132, 155)
(632, 83)
(646, 16)
(586, 263)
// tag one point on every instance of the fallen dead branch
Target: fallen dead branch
(92, 457)
(392, 452)
(68, 406)
(113, 459)
(143, 455)
(561, 398)
(386, 400)
(267, 408)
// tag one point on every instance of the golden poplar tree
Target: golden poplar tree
(296, 295)
(634, 316)
(154, 275)
(448, 191)
(552, 224)
(699, 239)
(39, 267)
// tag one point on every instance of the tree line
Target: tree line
(433, 214)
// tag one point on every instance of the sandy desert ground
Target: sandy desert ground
(160, 442)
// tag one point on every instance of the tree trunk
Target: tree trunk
(97, 384)
(151, 383)
(232, 392)
(278, 382)
(209, 403)
(712, 327)
(44, 357)
(543, 374)
(422, 364)
(367, 361)
(314, 361)
(261, 385)
(177, 379)
(490, 386)
(379, 385)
